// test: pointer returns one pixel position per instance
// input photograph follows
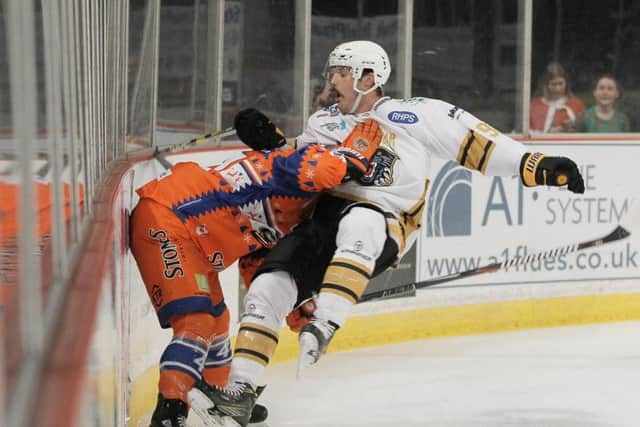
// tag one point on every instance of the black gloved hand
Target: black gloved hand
(257, 131)
(537, 169)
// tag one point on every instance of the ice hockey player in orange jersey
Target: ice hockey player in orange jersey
(192, 223)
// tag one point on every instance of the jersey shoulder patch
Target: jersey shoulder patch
(403, 117)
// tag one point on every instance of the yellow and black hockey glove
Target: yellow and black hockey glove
(538, 169)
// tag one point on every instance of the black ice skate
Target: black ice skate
(223, 407)
(169, 413)
(259, 413)
(314, 339)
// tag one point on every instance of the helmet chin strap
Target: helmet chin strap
(358, 100)
(356, 103)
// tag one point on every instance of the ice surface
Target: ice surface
(583, 376)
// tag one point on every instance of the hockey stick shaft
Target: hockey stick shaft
(161, 151)
(195, 141)
(618, 233)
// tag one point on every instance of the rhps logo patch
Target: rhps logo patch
(406, 117)
(170, 258)
(449, 204)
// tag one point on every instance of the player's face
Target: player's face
(557, 87)
(341, 81)
(606, 92)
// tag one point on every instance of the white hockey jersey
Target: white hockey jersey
(416, 130)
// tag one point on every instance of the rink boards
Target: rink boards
(498, 219)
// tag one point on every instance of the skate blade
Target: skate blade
(200, 404)
(308, 353)
(304, 362)
(225, 421)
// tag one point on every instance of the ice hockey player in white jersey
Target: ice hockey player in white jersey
(389, 201)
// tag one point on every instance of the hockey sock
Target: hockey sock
(270, 298)
(344, 282)
(255, 343)
(183, 359)
(218, 363)
(360, 239)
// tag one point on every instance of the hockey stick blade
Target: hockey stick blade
(617, 234)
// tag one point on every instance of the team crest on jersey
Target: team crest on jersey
(380, 173)
(156, 295)
(202, 230)
(334, 126)
(333, 110)
(216, 260)
(404, 117)
(455, 112)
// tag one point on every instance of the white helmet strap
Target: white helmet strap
(356, 103)
(360, 91)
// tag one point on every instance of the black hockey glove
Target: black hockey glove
(257, 131)
(537, 169)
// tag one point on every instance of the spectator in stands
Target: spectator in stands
(555, 109)
(603, 116)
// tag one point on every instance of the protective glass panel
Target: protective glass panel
(7, 282)
(335, 23)
(142, 39)
(584, 67)
(20, 260)
(7, 169)
(180, 46)
(259, 61)
(464, 52)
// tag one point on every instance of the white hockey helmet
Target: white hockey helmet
(360, 55)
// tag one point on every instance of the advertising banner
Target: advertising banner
(474, 220)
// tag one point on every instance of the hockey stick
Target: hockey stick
(410, 289)
(195, 141)
(160, 152)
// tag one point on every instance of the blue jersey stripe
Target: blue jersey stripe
(283, 183)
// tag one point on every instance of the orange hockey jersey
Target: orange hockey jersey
(248, 202)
